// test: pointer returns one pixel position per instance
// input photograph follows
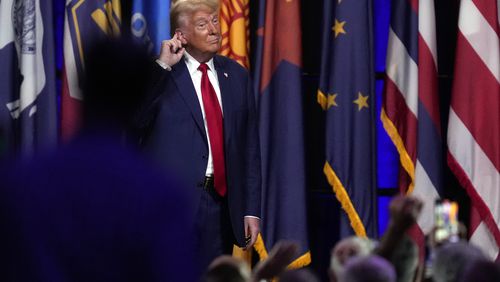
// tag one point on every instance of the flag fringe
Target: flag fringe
(303, 260)
(299, 262)
(344, 200)
(404, 157)
(260, 247)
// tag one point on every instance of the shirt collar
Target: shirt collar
(192, 64)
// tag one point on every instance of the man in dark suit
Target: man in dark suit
(201, 123)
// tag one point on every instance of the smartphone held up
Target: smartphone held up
(446, 221)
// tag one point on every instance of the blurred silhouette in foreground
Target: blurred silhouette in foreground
(298, 275)
(347, 249)
(370, 268)
(94, 210)
(452, 259)
(481, 270)
(227, 268)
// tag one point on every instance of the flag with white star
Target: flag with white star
(346, 95)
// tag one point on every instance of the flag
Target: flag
(410, 111)
(473, 126)
(28, 103)
(346, 94)
(151, 23)
(278, 77)
(85, 22)
(235, 30)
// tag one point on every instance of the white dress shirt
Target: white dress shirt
(192, 65)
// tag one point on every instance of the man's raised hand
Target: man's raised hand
(172, 50)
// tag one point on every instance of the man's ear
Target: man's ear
(181, 36)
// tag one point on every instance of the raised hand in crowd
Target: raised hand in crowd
(281, 255)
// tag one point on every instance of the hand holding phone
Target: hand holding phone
(446, 221)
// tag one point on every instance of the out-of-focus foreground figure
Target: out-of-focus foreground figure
(94, 210)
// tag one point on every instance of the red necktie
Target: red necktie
(213, 115)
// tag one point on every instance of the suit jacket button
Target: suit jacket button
(200, 184)
(204, 157)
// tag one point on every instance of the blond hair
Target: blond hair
(179, 9)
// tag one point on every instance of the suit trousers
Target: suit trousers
(213, 232)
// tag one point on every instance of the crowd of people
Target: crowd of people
(359, 259)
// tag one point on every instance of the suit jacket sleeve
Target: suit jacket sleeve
(254, 174)
(146, 111)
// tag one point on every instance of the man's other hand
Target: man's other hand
(252, 229)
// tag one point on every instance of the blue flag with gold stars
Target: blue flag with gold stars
(346, 94)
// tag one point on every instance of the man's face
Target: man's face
(202, 33)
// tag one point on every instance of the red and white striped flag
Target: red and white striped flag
(410, 112)
(474, 124)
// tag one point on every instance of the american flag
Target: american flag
(410, 111)
(473, 128)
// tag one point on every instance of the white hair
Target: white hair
(360, 247)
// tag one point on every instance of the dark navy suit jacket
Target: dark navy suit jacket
(173, 133)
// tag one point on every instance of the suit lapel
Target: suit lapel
(225, 92)
(185, 86)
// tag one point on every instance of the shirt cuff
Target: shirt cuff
(163, 65)
(252, 216)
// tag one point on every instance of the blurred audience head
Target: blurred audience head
(298, 275)
(227, 269)
(368, 269)
(117, 74)
(482, 270)
(346, 249)
(451, 260)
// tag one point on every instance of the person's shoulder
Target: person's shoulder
(229, 64)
